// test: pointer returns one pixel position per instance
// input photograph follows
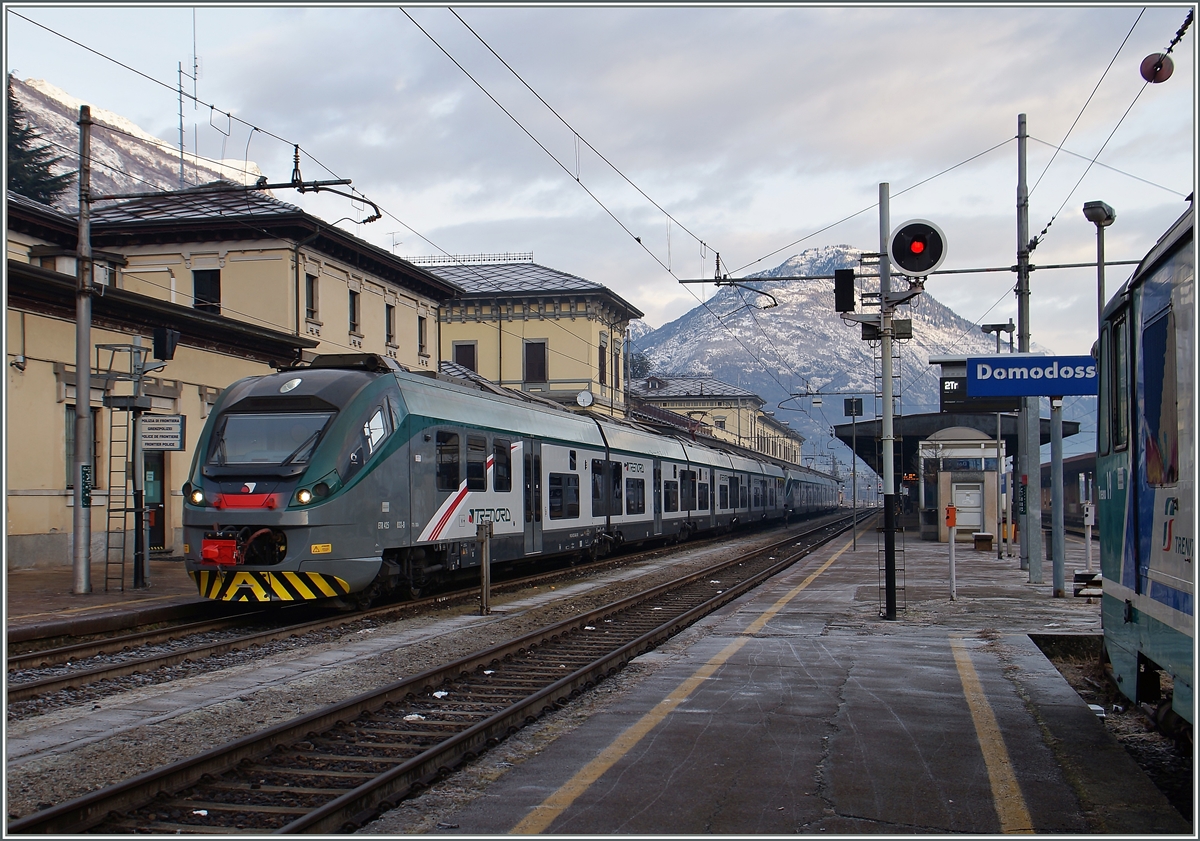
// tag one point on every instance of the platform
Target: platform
(40, 603)
(799, 709)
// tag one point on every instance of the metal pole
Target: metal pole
(952, 526)
(1030, 430)
(885, 334)
(1001, 531)
(1057, 536)
(81, 560)
(483, 534)
(854, 480)
(141, 527)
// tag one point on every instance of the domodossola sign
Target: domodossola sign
(1027, 375)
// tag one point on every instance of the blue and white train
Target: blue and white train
(352, 478)
(1146, 476)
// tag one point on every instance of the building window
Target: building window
(422, 335)
(719, 423)
(389, 324)
(535, 362)
(206, 290)
(464, 355)
(354, 313)
(603, 357)
(310, 297)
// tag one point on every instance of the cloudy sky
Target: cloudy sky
(753, 132)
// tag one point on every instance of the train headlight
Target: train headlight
(304, 496)
(194, 494)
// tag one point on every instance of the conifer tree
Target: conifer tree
(30, 163)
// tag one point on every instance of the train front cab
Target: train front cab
(1146, 477)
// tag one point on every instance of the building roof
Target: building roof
(220, 211)
(658, 388)
(522, 279)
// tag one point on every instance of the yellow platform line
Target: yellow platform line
(85, 608)
(545, 813)
(1006, 792)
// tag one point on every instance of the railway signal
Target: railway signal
(917, 247)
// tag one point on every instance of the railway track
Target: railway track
(72, 671)
(336, 768)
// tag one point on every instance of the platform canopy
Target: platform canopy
(910, 430)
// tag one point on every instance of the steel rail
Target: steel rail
(116, 803)
(86, 677)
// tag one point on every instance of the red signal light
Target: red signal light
(917, 246)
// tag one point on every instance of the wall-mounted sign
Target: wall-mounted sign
(161, 432)
(1027, 375)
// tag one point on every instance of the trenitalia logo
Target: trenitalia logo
(1025, 375)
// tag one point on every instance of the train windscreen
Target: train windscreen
(267, 439)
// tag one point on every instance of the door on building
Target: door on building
(154, 501)
(968, 500)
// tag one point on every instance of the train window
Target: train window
(447, 461)
(635, 496)
(670, 496)
(1159, 379)
(571, 460)
(476, 463)
(599, 500)
(771, 495)
(723, 493)
(564, 496)
(758, 500)
(687, 488)
(375, 430)
(702, 496)
(1120, 385)
(501, 465)
(743, 492)
(657, 491)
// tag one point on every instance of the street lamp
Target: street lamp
(1100, 215)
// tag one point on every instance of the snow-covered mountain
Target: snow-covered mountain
(801, 346)
(125, 158)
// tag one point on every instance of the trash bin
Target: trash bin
(983, 541)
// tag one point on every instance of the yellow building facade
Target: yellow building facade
(538, 330)
(726, 412)
(248, 283)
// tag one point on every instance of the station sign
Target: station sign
(954, 399)
(1029, 375)
(161, 432)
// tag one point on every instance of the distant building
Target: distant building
(729, 413)
(535, 329)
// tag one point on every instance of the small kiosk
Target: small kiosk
(961, 466)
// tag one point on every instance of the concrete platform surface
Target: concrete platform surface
(799, 709)
(39, 602)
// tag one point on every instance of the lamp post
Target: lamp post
(998, 329)
(1100, 215)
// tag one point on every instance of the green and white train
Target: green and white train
(352, 478)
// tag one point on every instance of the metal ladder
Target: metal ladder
(120, 453)
(120, 501)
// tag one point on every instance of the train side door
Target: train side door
(531, 478)
(656, 492)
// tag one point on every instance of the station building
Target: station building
(534, 329)
(248, 281)
(727, 412)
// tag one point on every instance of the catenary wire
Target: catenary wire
(1088, 102)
